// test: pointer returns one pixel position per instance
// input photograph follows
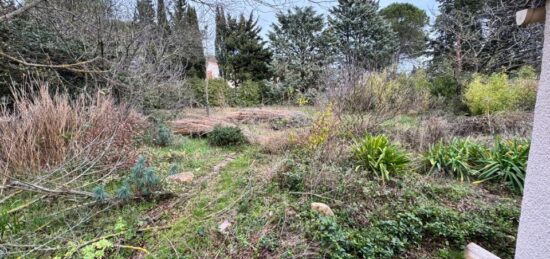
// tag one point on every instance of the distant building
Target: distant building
(212, 68)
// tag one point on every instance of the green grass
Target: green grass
(195, 232)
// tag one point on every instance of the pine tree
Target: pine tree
(161, 16)
(247, 57)
(298, 42)
(145, 14)
(364, 38)
(197, 60)
(409, 22)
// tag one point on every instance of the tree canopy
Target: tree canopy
(299, 42)
(409, 22)
(364, 37)
(245, 56)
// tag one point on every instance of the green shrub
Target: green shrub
(526, 72)
(376, 154)
(506, 162)
(458, 158)
(272, 93)
(383, 92)
(496, 93)
(226, 136)
(247, 94)
(218, 90)
(163, 137)
(143, 180)
(525, 88)
(444, 86)
(393, 237)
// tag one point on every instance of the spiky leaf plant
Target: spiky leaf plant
(376, 154)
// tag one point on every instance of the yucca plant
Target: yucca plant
(376, 154)
(459, 158)
(506, 162)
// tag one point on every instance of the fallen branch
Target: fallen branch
(64, 66)
(41, 189)
(141, 249)
(20, 10)
(26, 205)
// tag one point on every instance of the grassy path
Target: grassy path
(225, 182)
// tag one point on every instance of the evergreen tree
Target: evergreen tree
(409, 22)
(179, 14)
(363, 37)
(197, 61)
(246, 55)
(298, 42)
(145, 14)
(221, 32)
(161, 16)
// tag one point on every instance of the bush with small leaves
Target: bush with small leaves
(218, 91)
(498, 93)
(226, 136)
(378, 155)
(249, 93)
(163, 137)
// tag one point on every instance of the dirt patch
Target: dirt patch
(198, 124)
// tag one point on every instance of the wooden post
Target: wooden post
(529, 16)
(474, 251)
(534, 228)
(206, 71)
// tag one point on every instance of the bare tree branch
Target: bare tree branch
(20, 10)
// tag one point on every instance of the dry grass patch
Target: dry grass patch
(47, 132)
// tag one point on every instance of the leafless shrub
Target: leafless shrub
(382, 93)
(419, 137)
(507, 124)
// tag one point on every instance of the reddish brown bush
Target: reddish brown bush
(50, 132)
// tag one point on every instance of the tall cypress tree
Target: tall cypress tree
(161, 16)
(364, 38)
(179, 14)
(221, 33)
(145, 12)
(197, 60)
